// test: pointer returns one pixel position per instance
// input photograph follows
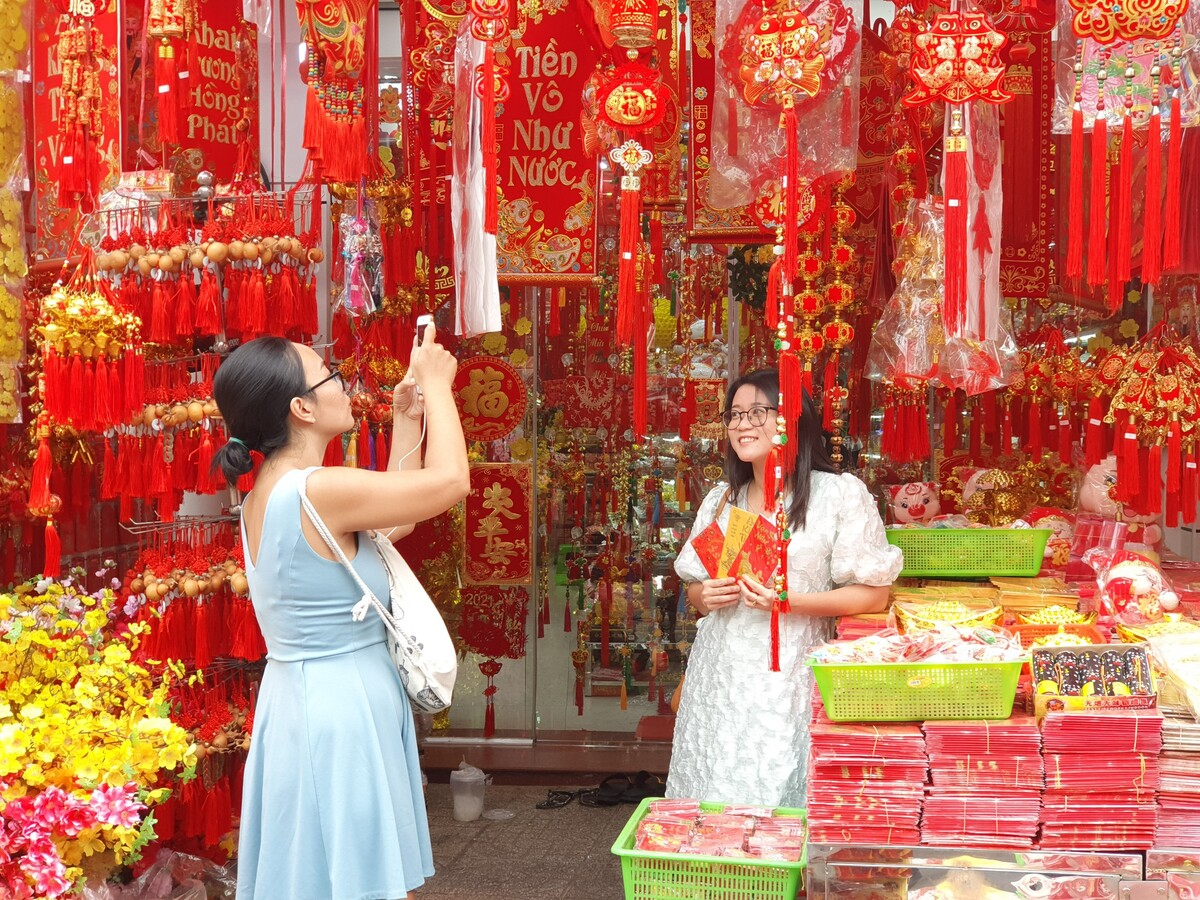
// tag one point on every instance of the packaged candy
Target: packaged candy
(1132, 589)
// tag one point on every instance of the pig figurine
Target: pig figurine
(1096, 496)
(915, 503)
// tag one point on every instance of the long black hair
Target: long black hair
(811, 453)
(254, 389)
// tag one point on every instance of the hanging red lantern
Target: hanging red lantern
(632, 23)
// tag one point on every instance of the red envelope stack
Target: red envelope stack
(987, 781)
(1102, 777)
(1179, 789)
(865, 783)
(851, 628)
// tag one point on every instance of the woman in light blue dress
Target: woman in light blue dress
(332, 805)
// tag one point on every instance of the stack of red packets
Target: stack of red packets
(739, 832)
(1102, 777)
(865, 783)
(987, 780)
(1179, 788)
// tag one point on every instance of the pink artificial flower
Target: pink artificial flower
(13, 885)
(47, 872)
(116, 806)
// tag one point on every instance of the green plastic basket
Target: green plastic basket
(971, 552)
(672, 876)
(914, 692)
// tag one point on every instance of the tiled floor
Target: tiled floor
(539, 854)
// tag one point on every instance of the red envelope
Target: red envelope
(708, 544)
(759, 556)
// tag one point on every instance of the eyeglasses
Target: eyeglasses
(755, 415)
(336, 374)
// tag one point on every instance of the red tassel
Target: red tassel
(955, 190)
(775, 636)
(108, 475)
(1152, 501)
(489, 716)
(205, 483)
(991, 421)
(1188, 493)
(1174, 458)
(1098, 213)
(208, 317)
(771, 305)
(39, 479)
(628, 295)
(1128, 465)
(363, 451)
(254, 310)
(202, 655)
(381, 450)
(1094, 440)
(1034, 437)
(1171, 224)
(657, 248)
(950, 424)
(771, 477)
(791, 381)
(333, 453)
(791, 193)
(579, 695)
(161, 331)
(166, 82)
(1152, 219)
(53, 565)
(75, 385)
(1075, 227)
(975, 440)
(568, 623)
(185, 309)
(641, 369)
(487, 138)
(1124, 252)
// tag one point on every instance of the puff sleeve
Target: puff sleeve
(687, 564)
(861, 553)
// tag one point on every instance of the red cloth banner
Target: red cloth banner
(547, 227)
(499, 525)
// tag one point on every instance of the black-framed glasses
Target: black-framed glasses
(755, 415)
(335, 374)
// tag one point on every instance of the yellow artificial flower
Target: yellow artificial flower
(1129, 329)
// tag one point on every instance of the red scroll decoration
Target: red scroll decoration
(489, 24)
(499, 525)
(335, 33)
(957, 60)
(491, 398)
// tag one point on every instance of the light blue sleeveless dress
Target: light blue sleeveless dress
(332, 806)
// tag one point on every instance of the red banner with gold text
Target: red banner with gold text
(547, 232)
(499, 525)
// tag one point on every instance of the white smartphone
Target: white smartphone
(422, 321)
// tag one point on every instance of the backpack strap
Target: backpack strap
(726, 497)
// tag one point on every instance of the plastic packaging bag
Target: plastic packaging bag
(1132, 589)
(361, 292)
(172, 876)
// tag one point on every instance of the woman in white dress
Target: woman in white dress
(742, 731)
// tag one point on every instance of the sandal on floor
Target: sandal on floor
(644, 785)
(557, 799)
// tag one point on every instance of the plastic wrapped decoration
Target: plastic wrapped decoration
(1156, 409)
(1124, 67)
(81, 53)
(1052, 384)
(1133, 590)
(361, 291)
(768, 43)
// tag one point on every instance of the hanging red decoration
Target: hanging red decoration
(489, 24)
(958, 60)
(632, 22)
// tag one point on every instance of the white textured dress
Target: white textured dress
(742, 731)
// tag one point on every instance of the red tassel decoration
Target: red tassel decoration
(1174, 458)
(161, 331)
(771, 306)
(975, 439)
(1124, 251)
(1152, 501)
(641, 368)
(165, 81)
(1034, 438)
(363, 453)
(950, 424)
(333, 453)
(208, 317)
(657, 248)
(1171, 224)
(39, 480)
(203, 654)
(1094, 434)
(791, 193)
(185, 308)
(1188, 493)
(1098, 213)
(775, 636)
(108, 476)
(771, 477)
(628, 295)
(1152, 219)
(955, 191)
(53, 564)
(381, 450)
(791, 381)
(1128, 465)
(1064, 440)
(204, 460)
(1075, 226)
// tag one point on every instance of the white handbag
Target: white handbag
(417, 638)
